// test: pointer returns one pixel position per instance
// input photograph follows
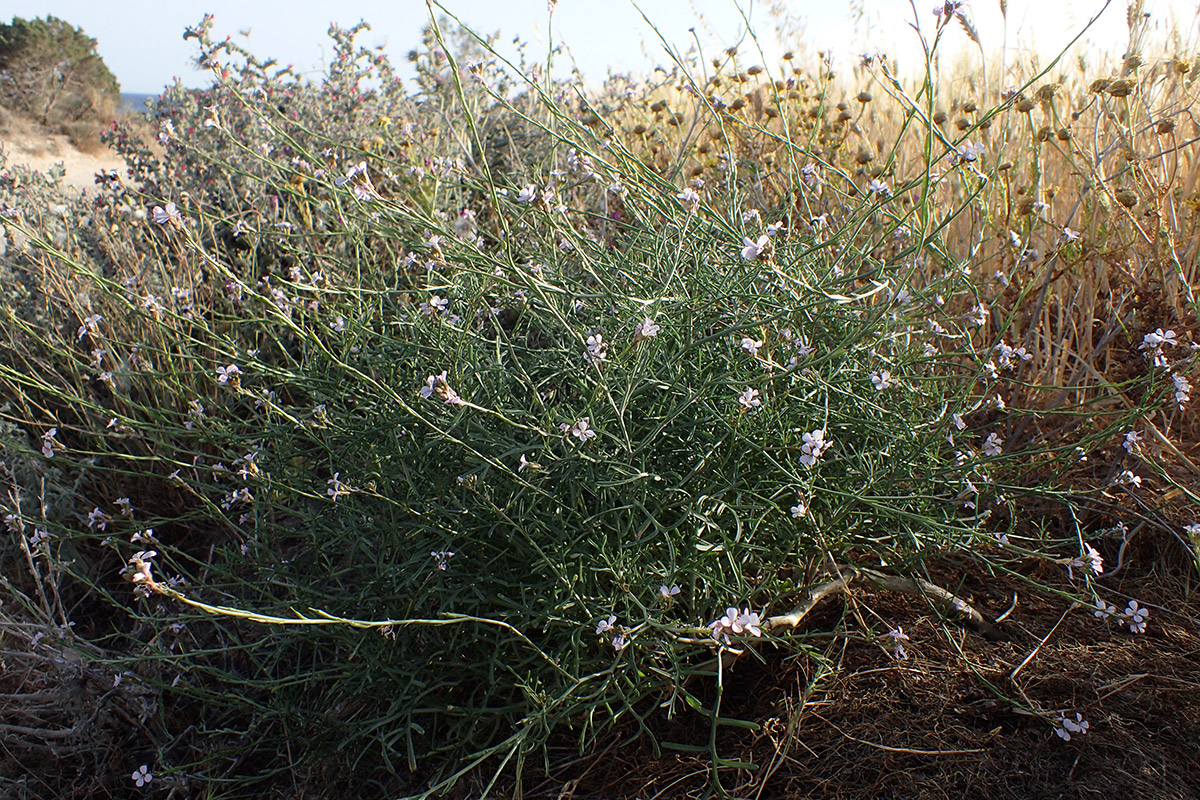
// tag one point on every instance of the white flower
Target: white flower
(170, 214)
(668, 591)
(1135, 617)
(1192, 529)
(1159, 338)
(1070, 235)
(525, 463)
(979, 315)
(749, 398)
(89, 326)
(1094, 561)
(1067, 726)
(143, 775)
(899, 637)
(879, 187)
(646, 329)
(882, 380)
(993, 445)
(1129, 479)
(606, 625)
(958, 421)
(814, 446)
(1183, 390)
(582, 430)
(434, 305)
(442, 559)
(752, 249)
(528, 193)
(1103, 610)
(1131, 441)
(49, 443)
(751, 345)
(619, 641)
(437, 385)
(228, 374)
(337, 488)
(689, 198)
(800, 510)
(749, 622)
(597, 350)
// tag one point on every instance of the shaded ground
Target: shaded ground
(929, 726)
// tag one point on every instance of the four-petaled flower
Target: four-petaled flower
(582, 429)
(752, 249)
(668, 591)
(799, 510)
(1135, 617)
(1067, 726)
(815, 444)
(142, 775)
(736, 621)
(646, 329)
(527, 194)
(597, 350)
(606, 625)
(879, 187)
(882, 380)
(228, 374)
(751, 345)
(170, 214)
(749, 398)
(993, 445)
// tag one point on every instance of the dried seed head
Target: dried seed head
(863, 97)
(771, 112)
(1164, 126)
(1181, 66)
(1127, 197)
(658, 105)
(789, 55)
(1132, 62)
(962, 123)
(1044, 133)
(1099, 85)
(864, 156)
(1025, 105)
(970, 107)
(939, 117)
(754, 70)
(1046, 93)
(639, 129)
(1005, 166)
(1064, 134)
(844, 116)
(1120, 88)
(738, 103)
(984, 124)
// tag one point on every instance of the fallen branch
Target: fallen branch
(949, 604)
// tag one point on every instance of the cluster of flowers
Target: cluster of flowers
(735, 621)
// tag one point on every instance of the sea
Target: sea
(135, 102)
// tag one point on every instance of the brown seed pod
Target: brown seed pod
(1044, 133)
(843, 116)
(864, 156)
(756, 69)
(970, 107)
(789, 55)
(639, 129)
(1064, 134)
(1046, 93)
(962, 123)
(864, 97)
(1164, 126)
(1024, 105)
(1099, 85)
(1127, 197)
(939, 117)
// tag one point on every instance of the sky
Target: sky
(142, 42)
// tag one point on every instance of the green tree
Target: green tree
(50, 70)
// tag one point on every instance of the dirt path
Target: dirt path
(42, 151)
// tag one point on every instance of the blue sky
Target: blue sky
(142, 41)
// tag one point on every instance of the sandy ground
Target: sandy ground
(42, 151)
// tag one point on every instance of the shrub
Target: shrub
(50, 71)
(414, 450)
